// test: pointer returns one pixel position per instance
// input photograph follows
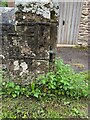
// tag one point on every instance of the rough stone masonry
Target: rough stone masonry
(84, 29)
(28, 45)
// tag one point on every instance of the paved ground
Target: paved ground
(7, 15)
(77, 57)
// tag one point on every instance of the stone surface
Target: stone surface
(84, 28)
(28, 46)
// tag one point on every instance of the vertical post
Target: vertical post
(53, 39)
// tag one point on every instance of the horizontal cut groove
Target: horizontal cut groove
(2, 23)
(33, 58)
(34, 23)
(30, 23)
(18, 35)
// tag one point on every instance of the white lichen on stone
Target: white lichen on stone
(33, 54)
(2, 56)
(24, 68)
(38, 71)
(24, 17)
(38, 63)
(16, 65)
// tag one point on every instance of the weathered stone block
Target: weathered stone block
(84, 23)
(29, 46)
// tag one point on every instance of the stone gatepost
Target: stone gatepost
(29, 45)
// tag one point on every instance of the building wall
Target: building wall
(84, 29)
(11, 3)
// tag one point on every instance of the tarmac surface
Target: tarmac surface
(76, 57)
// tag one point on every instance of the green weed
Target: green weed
(62, 82)
(3, 3)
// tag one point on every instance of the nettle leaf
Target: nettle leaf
(51, 86)
(10, 84)
(33, 86)
(17, 92)
(17, 87)
(14, 95)
(65, 88)
(36, 95)
(44, 81)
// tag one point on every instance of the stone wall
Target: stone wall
(28, 46)
(84, 29)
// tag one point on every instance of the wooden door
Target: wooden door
(69, 20)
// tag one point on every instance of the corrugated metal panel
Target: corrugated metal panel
(69, 20)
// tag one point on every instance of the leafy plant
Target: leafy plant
(35, 91)
(4, 4)
(11, 88)
(63, 81)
